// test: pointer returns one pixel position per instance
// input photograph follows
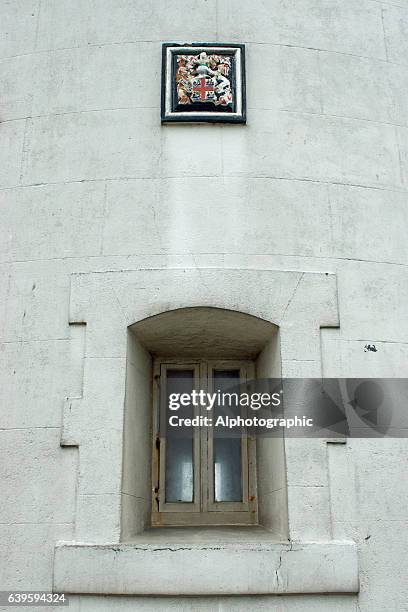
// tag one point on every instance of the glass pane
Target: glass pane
(179, 442)
(227, 449)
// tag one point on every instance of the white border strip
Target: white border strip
(238, 62)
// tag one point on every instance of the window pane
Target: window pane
(227, 449)
(179, 442)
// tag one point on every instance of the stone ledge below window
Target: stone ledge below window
(211, 568)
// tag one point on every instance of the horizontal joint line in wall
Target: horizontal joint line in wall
(248, 176)
(253, 108)
(29, 428)
(187, 255)
(159, 42)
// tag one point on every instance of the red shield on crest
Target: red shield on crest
(203, 90)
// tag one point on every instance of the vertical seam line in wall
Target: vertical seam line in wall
(216, 20)
(319, 68)
(329, 490)
(37, 25)
(27, 125)
(397, 144)
(104, 215)
(53, 568)
(76, 490)
(384, 35)
(329, 203)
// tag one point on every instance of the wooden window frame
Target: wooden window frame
(204, 510)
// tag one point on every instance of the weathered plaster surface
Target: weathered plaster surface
(90, 182)
(186, 569)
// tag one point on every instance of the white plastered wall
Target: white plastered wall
(90, 181)
(270, 456)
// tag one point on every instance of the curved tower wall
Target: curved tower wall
(91, 181)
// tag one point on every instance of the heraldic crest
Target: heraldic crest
(204, 79)
(203, 83)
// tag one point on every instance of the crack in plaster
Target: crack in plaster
(293, 295)
(122, 548)
(279, 581)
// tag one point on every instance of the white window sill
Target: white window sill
(206, 562)
(238, 534)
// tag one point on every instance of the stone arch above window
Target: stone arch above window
(208, 332)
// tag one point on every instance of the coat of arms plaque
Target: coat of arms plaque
(203, 82)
